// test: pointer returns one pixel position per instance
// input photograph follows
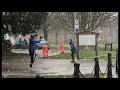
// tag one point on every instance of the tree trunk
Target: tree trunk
(6, 49)
(65, 37)
(45, 33)
(56, 34)
(6, 46)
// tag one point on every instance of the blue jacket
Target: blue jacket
(73, 47)
(32, 45)
(20, 41)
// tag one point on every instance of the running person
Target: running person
(32, 48)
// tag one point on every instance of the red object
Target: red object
(45, 50)
(62, 48)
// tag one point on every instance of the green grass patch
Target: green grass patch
(57, 47)
(100, 47)
(18, 76)
(85, 54)
(53, 76)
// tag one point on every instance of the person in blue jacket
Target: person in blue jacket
(73, 49)
(20, 43)
(32, 48)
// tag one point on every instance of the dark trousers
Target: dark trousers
(32, 57)
(72, 54)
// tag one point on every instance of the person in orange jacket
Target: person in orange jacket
(62, 48)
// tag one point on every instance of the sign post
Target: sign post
(77, 30)
(76, 26)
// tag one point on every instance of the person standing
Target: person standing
(32, 48)
(25, 44)
(73, 49)
(20, 43)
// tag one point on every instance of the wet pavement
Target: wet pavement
(50, 66)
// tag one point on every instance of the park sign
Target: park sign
(76, 26)
(86, 39)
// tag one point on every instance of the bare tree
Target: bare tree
(51, 24)
(48, 24)
(66, 20)
(87, 20)
(56, 21)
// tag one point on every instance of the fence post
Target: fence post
(105, 47)
(109, 73)
(76, 70)
(117, 62)
(96, 74)
(111, 47)
(39, 76)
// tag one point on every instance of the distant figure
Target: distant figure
(20, 43)
(32, 48)
(25, 44)
(17, 44)
(73, 49)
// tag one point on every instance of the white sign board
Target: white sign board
(86, 39)
(76, 22)
(76, 25)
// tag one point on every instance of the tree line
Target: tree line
(26, 22)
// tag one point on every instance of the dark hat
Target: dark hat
(32, 36)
